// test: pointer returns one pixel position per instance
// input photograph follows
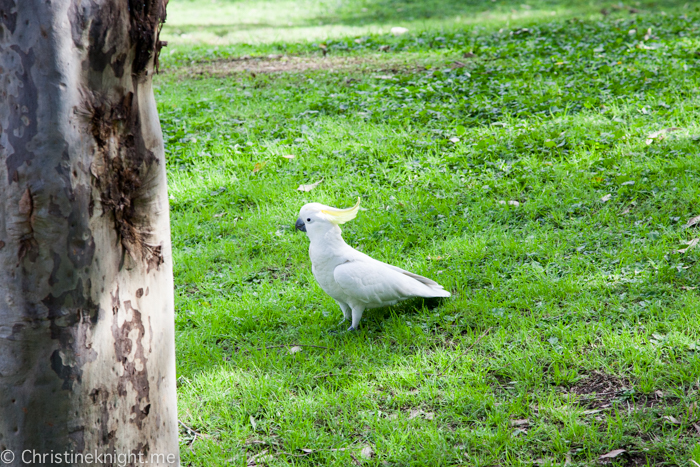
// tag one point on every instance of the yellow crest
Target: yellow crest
(341, 216)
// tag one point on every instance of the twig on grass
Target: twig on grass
(193, 431)
(483, 334)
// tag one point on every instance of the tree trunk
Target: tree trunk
(87, 358)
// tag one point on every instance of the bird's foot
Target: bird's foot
(335, 331)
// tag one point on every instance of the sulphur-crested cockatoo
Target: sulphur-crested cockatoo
(356, 281)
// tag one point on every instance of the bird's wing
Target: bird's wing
(424, 280)
(375, 283)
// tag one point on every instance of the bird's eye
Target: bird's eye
(308, 219)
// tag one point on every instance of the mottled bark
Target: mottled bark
(87, 360)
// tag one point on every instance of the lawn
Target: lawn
(541, 161)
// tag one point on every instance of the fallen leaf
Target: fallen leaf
(691, 244)
(697, 427)
(660, 135)
(693, 221)
(309, 187)
(295, 349)
(613, 454)
(289, 156)
(259, 166)
(671, 419)
(469, 55)
(520, 422)
(253, 423)
(367, 452)
(606, 198)
(221, 214)
(398, 30)
(512, 202)
(659, 393)
(307, 451)
(592, 411)
(454, 139)
(384, 48)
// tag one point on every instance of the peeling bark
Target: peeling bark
(87, 360)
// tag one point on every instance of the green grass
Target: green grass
(573, 326)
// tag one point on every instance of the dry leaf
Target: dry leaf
(309, 187)
(289, 156)
(512, 202)
(659, 135)
(697, 427)
(454, 139)
(691, 244)
(606, 198)
(253, 423)
(367, 452)
(295, 349)
(307, 451)
(671, 419)
(221, 214)
(694, 221)
(613, 454)
(384, 48)
(259, 166)
(521, 422)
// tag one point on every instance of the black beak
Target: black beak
(300, 225)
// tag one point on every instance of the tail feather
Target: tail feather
(435, 289)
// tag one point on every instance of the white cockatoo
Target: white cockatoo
(353, 279)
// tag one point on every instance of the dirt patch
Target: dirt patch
(598, 389)
(295, 64)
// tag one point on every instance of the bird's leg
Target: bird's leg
(347, 314)
(356, 317)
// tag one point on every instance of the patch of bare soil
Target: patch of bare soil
(295, 64)
(275, 64)
(598, 389)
